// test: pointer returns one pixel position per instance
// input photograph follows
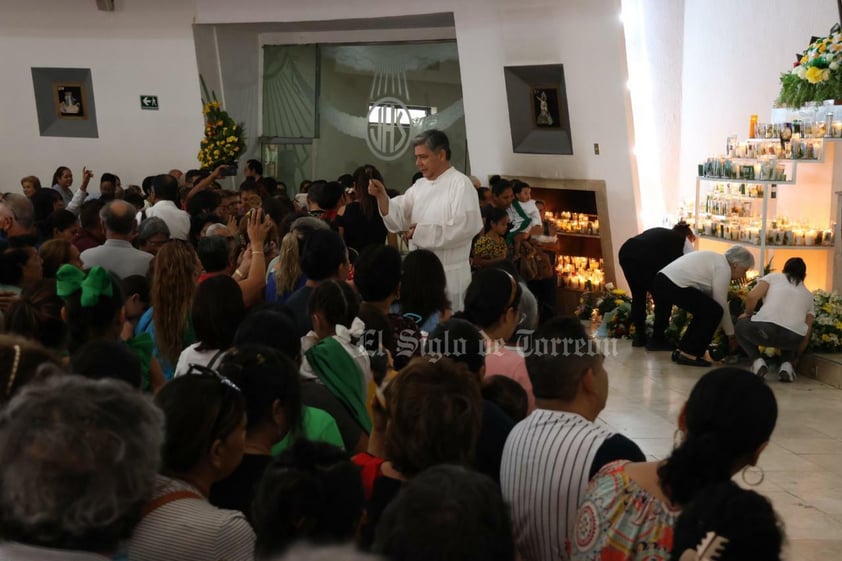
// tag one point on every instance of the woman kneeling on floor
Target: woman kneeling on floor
(785, 321)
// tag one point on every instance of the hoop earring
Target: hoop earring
(753, 469)
(677, 438)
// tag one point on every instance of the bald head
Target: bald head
(118, 216)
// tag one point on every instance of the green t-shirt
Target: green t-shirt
(316, 425)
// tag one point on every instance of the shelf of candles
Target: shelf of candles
(756, 243)
(580, 273)
(569, 223)
(778, 234)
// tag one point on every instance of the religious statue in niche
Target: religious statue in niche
(545, 108)
(70, 101)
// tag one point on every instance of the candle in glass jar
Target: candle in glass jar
(810, 237)
(596, 227)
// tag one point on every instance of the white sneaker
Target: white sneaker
(760, 368)
(786, 373)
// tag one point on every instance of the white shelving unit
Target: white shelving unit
(805, 197)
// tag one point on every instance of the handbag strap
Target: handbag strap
(215, 357)
(166, 499)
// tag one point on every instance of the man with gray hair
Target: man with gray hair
(698, 282)
(79, 462)
(17, 216)
(117, 253)
(439, 213)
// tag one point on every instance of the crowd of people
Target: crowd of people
(192, 373)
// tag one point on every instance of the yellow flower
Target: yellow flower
(618, 292)
(618, 302)
(815, 75)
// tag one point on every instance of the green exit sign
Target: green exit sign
(149, 102)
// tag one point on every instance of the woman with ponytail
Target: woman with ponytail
(311, 492)
(493, 304)
(630, 509)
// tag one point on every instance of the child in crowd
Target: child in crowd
(490, 247)
(506, 394)
(524, 213)
(330, 350)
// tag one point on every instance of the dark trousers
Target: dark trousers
(640, 277)
(707, 314)
(544, 291)
(751, 334)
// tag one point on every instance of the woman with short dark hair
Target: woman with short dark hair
(217, 312)
(785, 321)
(205, 432)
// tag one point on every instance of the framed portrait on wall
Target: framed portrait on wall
(70, 101)
(65, 102)
(545, 110)
(538, 113)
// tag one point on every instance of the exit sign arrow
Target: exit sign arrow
(149, 102)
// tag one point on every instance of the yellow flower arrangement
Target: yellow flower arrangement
(816, 73)
(223, 142)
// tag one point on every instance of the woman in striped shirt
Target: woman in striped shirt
(204, 443)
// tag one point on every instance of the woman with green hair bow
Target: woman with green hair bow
(94, 310)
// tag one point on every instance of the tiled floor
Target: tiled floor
(803, 462)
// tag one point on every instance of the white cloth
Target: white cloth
(192, 355)
(785, 304)
(176, 219)
(190, 529)
(543, 475)
(446, 216)
(531, 211)
(708, 272)
(356, 352)
(119, 257)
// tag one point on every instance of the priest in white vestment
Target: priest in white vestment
(440, 212)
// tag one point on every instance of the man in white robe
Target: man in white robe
(440, 212)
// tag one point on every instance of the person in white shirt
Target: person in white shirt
(165, 195)
(440, 212)
(698, 282)
(785, 321)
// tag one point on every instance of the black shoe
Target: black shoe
(662, 345)
(687, 361)
(675, 354)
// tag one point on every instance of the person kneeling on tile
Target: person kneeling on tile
(785, 320)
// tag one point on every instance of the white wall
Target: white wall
(584, 35)
(734, 53)
(654, 45)
(141, 48)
